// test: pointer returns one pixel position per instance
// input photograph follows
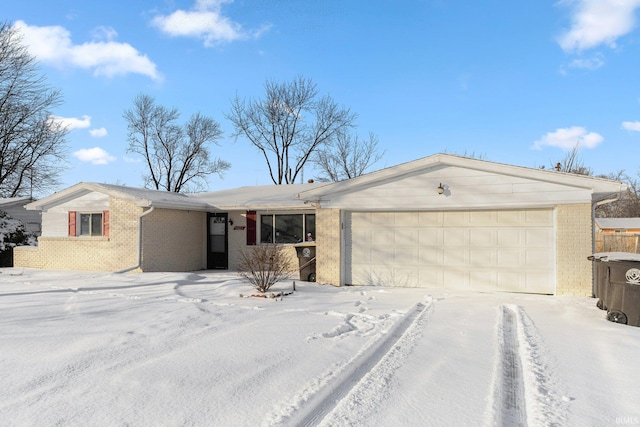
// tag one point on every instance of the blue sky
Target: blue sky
(515, 82)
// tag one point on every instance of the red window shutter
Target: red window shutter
(72, 223)
(105, 223)
(251, 228)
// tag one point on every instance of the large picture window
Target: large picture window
(287, 228)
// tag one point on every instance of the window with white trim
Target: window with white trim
(287, 228)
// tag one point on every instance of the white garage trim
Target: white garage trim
(482, 250)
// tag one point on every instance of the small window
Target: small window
(287, 228)
(90, 224)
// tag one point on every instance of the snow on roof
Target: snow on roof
(258, 197)
(625, 223)
(245, 198)
(140, 196)
(9, 201)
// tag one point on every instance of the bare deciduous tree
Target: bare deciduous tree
(31, 142)
(289, 125)
(177, 157)
(347, 158)
(572, 163)
(628, 204)
(264, 265)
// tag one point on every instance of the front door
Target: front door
(217, 242)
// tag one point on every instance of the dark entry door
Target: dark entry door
(217, 242)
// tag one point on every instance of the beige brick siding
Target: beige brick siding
(328, 247)
(116, 252)
(174, 240)
(573, 246)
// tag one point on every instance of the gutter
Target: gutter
(128, 269)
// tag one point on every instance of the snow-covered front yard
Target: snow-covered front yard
(175, 349)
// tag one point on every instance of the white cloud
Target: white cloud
(131, 159)
(52, 45)
(95, 156)
(592, 63)
(567, 138)
(98, 133)
(598, 22)
(204, 21)
(71, 123)
(632, 126)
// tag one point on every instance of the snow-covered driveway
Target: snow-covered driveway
(184, 349)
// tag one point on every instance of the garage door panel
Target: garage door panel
(430, 277)
(534, 280)
(483, 237)
(361, 236)
(511, 250)
(456, 219)
(456, 278)
(382, 237)
(430, 236)
(482, 257)
(455, 256)
(407, 219)
(430, 219)
(509, 280)
(507, 218)
(406, 255)
(538, 259)
(483, 218)
(407, 236)
(482, 278)
(538, 217)
(430, 256)
(510, 237)
(381, 219)
(509, 256)
(455, 237)
(538, 237)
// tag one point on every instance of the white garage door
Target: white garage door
(507, 250)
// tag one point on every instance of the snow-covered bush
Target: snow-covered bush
(13, 233)
(264, 265)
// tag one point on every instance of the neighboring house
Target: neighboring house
(14, 207)
(443, 221)
(617, 234)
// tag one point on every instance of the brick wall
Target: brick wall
(174, 240)
(328, 247)
(573, 246)
(116, 252)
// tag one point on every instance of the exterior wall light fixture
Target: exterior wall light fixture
(440, 189)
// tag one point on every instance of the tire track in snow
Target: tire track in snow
(526, 390)
(332, 391)
(510, 401)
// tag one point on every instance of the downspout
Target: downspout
(594, 206)
(126, 270)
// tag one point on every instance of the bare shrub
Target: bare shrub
(264, 265)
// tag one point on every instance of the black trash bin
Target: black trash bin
(601, 273)
(620, 291)
(307, 261)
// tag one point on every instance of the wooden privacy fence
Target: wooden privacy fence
(618, 242)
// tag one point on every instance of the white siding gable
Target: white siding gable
(55, 219)
(464, 189)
